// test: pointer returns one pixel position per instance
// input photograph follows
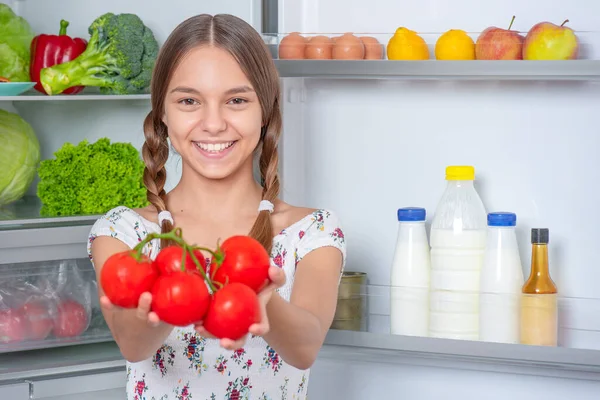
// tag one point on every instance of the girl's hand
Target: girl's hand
(277, 277)
(143, 312)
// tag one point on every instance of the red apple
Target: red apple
(13, 326)
(548, 41)
(499, 44)
(40, 321)
(71, 319)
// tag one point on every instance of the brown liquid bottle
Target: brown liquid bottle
(539, 303)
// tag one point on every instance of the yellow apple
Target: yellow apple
(548, 41)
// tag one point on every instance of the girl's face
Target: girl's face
(212, 113)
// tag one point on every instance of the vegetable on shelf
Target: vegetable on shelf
(49, 50)
(20, 158)
(119, 59)
(91, 179)
(15, 38)
(182, 291)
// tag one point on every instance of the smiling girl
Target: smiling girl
(216, 99)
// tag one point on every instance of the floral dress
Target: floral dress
(188, 366)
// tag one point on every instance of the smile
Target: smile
(214, 147)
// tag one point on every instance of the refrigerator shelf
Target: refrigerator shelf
(562, 362)
(574, 70)
(34, 96)
(25, 213)
(348, 346)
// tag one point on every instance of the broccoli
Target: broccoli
(119, 58)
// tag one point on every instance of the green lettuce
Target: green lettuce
(91, 179)
(15, 41)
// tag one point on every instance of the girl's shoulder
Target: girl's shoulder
(130, 226)
(307, 229)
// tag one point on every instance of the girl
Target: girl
(216, 98)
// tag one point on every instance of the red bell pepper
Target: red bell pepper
(49, 50)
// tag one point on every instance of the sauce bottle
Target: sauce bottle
(539, 303)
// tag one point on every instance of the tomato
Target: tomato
(13, 326)
(245, 261)
(124, 279)
(40, 321)
(169, 260)
(234, 308)
(180, 298)
(71, 319)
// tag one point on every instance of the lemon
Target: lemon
(407, 45)
(455, 45)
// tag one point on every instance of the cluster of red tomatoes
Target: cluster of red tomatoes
(181, 284)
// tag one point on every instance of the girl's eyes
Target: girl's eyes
(191, 102)
(238, 101)
(188, 102)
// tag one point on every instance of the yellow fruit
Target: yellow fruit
(407, 45)
(455, 45)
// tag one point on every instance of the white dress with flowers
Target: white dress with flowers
(188, 366)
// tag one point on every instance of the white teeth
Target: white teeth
(214, 148)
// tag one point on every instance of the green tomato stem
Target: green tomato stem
(176, 236)
(202, 272)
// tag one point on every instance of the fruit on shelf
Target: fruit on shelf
(499, 44)
(548, 41)
(455, 44)
(373, 49)
(348, 47)
(292, 46)
(319, 48)
(407, 45)
(13, 326)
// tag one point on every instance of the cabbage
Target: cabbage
(19, 158)
(15, 40)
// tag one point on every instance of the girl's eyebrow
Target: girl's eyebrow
(232, 91)
(239, 89)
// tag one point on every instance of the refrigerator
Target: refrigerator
(363, 138)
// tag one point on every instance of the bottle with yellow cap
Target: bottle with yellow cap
(458, 238)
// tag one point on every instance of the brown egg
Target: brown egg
(292, 46)
(373, 49)
(348, 47)
(318, 48)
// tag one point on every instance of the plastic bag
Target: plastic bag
(71, 296)
(25, 313)
(40, 301)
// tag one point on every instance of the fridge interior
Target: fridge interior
(365, 144)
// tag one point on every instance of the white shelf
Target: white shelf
(574, 70)
(468, 355)
(433, 69)
(77, 97)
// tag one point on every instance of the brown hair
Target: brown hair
(241, 40)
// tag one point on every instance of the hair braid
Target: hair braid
(155, 153)
(269, 166)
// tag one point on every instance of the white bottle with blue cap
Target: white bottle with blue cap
(500, 281)
(409, 292)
